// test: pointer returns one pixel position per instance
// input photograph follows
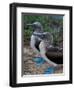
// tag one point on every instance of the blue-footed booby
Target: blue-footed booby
(42, 43)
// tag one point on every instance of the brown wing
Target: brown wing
(55, 56)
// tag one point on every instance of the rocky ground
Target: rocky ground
(29, 67)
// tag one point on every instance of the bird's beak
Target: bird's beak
(26, 26)
(29, 24)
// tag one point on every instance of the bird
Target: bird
(42, 43)
(35, 40)
(52, 55)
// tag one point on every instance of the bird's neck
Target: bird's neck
(38, 33)
(37, 30)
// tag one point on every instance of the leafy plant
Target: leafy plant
(51, 23)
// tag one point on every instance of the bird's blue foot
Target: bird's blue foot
(39, 60)
(49, 70)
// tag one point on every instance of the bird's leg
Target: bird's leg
(43, 51)
(36, 52)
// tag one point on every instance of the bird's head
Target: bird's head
(37, 27)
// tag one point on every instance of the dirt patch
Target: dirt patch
(29, 67)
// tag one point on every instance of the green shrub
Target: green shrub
(49, 22)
